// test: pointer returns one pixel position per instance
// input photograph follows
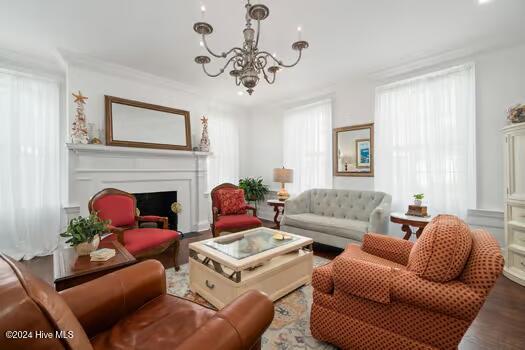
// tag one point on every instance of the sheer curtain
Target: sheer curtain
(223, 164)
(425, 140)
(29, 171)
(308, 146)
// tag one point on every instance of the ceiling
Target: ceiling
(348, 38)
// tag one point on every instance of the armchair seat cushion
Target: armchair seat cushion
(347, 228)
(152, 326)
(142, 239)
(226, 222)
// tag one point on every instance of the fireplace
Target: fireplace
(158, 203)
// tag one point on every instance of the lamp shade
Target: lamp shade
(283, 175)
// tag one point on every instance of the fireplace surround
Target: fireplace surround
(92, 168)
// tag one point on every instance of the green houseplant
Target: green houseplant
(418, 199)
(83, 233)
(254, 189)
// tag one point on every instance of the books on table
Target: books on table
(103, 254)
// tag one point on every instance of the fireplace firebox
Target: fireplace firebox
(160, 204)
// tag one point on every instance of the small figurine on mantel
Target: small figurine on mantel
(418, 209)
(79, 131)
(204, 146)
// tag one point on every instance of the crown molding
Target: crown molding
(31, 64)
(95, 64)
(429, 60)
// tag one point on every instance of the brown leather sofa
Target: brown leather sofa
(127, 309)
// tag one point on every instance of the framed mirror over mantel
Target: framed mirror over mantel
(353, 150)
(132, 123)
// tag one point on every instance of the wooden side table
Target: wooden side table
(276, 204)
(71, 270)
(408, 220)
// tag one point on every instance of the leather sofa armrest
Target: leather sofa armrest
(363, 279)
(240, 325)
(390, 248)
(100, 303)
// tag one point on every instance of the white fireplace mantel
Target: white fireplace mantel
(92, 168)
(81, 148)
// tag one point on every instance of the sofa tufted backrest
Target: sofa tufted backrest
(344, 204)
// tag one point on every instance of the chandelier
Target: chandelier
(247, 63)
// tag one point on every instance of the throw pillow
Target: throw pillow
(442, 250)
(232, 202)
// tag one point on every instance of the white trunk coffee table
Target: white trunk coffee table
(223, 268)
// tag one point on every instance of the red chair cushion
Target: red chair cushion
(232, 202)
(141, 239)
(117, 208)
(237, 222)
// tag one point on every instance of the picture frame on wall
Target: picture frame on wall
(362, 150)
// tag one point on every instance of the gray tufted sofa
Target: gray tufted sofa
(336, 217)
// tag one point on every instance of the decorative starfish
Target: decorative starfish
(79, 97)
(204, 119)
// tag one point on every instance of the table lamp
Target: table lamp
(283, 176)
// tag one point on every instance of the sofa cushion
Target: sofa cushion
(232, 202)
(346, 228)
(441, 252)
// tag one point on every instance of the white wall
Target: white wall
(262, 145)
(96, 84)
(499, 84)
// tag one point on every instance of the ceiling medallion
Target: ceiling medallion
(248, 62)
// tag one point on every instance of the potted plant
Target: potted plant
(418, 199)
(254, 189)
(83, 233)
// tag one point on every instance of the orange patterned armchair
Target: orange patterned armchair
(394, 294)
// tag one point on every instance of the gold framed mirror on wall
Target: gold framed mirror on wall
(132, 123)
(353, 150)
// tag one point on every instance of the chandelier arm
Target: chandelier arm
(237, 50)
(220, 70)
(268, 79)
(280, 63)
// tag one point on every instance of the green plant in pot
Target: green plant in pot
(418, 199)
(254, 189)
(83, 233)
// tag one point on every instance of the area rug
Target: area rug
(290, 328)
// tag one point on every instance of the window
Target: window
(425, 140)
(223, 164)
(307, 146)
(29, 174)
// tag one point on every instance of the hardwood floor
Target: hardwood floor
(499, 325)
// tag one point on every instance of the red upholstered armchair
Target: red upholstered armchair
(119, 207)
(393, 294)
(230, 211)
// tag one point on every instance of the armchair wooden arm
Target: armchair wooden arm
(153, 218)
(119, 232)
(252, 208)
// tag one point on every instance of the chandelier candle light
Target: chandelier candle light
(248, 62)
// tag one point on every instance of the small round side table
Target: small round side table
(409, 220)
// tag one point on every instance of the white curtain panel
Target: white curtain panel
(307, 146)
(425, 140)
(223, 164)
(29, 171)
